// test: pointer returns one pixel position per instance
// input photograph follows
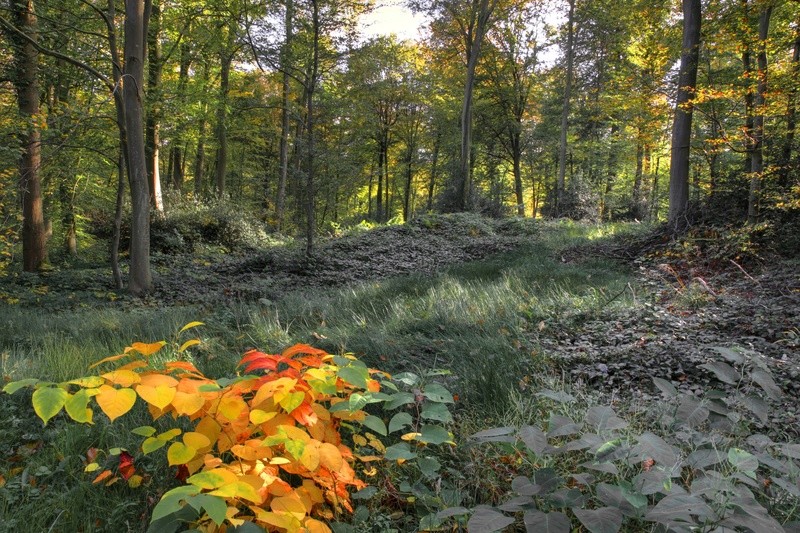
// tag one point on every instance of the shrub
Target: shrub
(263, 448)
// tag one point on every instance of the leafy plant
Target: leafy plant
(697, 475)
(264, 448)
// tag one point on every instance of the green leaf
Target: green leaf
(429, 466)
(152, 444)
(691, 412)
(365, 494)
(406, 378)
(401, 450)
(356, 402)
(486, 520)
(400, 421)
(215, 507)
(14, 386)
(666, 387)
(534, 438)
(742, 461)
(765, 381)
(144, 431)
(292, 401)
(724, 372)
(171, 501)
(539, 522)
(603, 418)
(680, 507)
(434, 435)
(48, 401)
(77, 407)
(653, 446)
(436, 411)
(436, 393)
(354, 375)
(375, 424)
(399, 399)
(501, 434)
(603, 520)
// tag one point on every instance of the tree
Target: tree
(26, 85)
(562, 144)
(682, 125)
(136, 12)
(757, 152)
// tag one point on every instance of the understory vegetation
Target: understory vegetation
(545, 376)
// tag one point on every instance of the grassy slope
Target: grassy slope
(479, 320)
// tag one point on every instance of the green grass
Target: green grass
(480, 321)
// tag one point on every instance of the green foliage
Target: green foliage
(702, 466)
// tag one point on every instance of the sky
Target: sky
(390, 16)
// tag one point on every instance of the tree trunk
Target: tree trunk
(682, 124)
(434, 163)
(474, 40)
(155, 67)
(379, 199)
(757, 155)
(26, 84)
(791, 115)
(311, 86)
(636, 208)
(747, 66)
(562, 145)
(221, 168)
(200, 158)
(280, 200)
(140, 281)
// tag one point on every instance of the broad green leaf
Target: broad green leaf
(501, 434)
(399, 399)
(436, 411)
(539, 522)
(375, 424)
(292, 401)
(152, 444)
(171, 501)
(730, 355)
(400, 421)
(765, 381)
(436, 393)
(434, 435)
(215, 507)
(653, 446)
(399, 451)
(190, 325)
(354, 375)
(487, 520)
(603, 520)
(406, 378)
(144, 431)
(666, 387)
(561, 426)
(603, 418)
(77, 407)
(534, 438)
(356, 402)
(14, 386)
(680, 507)
(691, 411)
(742, 460)
(429, 466)
(523, 486)
(180, 454)
(207, 480)
(724, 372)
(365, 494)
(48, 401)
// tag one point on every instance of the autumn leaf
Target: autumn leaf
(48, 401)
(115, 402)
(126, 466)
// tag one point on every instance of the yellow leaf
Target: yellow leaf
(212, 479)
(315, 526)
(187, 403)
(279, 461)
(160, 396)
(330, 457)
(257, 416)
(107, 360)
(190, 325)
(284, 522)
(123, 378)
(115, 402)
(91, 467)
(180, 454)
(310, 457)
(411, 436)
(290, 505)
(188, 344)
(231, 407)
(88, 382)
(134, 481)
(145, 349)
(154, 380)
(246, 491)
(196, 440)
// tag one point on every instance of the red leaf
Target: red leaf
(126, 466)
(91, 455)
(183, 474)
(303, 348)
(305, 415)
(251, 355)
(262, 364)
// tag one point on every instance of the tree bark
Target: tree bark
(562, 145)
(140, 282)
(280, 200)
(434, 167)
(221, 168)
(757, 155)
(155, 66)
(791, 115)
(682, 124)
(310, 89)
(26, 84)
(473, 40)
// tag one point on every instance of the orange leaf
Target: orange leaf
(315, 526)
(115, 402)
(187, 404)
(231, 407)
(182, 365)
(107, 360)
(305, 415)
(145, 349)
(330, 457)
(102, 475)
(154, 380)
(290, 505)
(304, 349)
(123, 378)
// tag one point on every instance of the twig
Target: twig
(751, 278)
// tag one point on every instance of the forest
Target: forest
(461, 273)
